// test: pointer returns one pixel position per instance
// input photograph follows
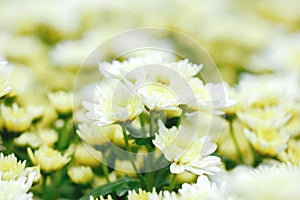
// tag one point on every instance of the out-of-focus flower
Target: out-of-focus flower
(265, 129)
(265, 181)
(28, 138)
(211, 97)
(97, 136)
(47, 136)
(10, 167)
(101, 198)
(278, 12)
(17, 189)
(87, 156)
(278, 90)
(124, 167)
(268, 141)
(16, 119)
(282, 55)
(35, 139)
(114, 103)
(118, 69)
(100, 180)
(5, 73)
(16, 48)
(22, 79)
(48, 159)
(186, 151)
(203, 189)
(61, 101)
(292, 153)
(140, 194)
(266, 118)
(80, 174)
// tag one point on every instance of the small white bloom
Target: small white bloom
(211, 96)
(61, 101)
(17, 189)
(48, 159)
(140, 195)
(10, 167)
(16, 119)
(81, 174)
(114, 103)
(203, 189)
(186, 150)
(268, 141)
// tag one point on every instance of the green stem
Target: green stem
(143, 126)
(149, 163)
(64, 136)
(44, 185)
(128, 148)
(238, 150)
(106, 172)
(172, 183)
(257, 158)
(152, 123)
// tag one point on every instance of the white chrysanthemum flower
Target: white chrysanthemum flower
(84, 155)
(163, 195)
(275, 182)
(159, 87)
(268, 141)
(265, 128)
(28, 138)
(81, 174)
(35, 139)
(114, 103)
(15, 118)
(266, 118)
(47, 136)
(292, 153)
(158, 97)
(97, 136)
(141, 194)
(277, 90)
(17, 189)
(48, 159)
(118, 69)
(10, 167)
(203, 189)
(5, 73)
(61, 101)
(186, 151)
(210, 96)
(22, 79)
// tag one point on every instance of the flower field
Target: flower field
(150, 100)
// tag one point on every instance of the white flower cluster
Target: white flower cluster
(150, 85)
(15, 179)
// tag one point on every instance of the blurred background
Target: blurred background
(53, 38)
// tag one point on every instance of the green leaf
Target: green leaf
(120, 187)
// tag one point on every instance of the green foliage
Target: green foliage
(119, 187)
